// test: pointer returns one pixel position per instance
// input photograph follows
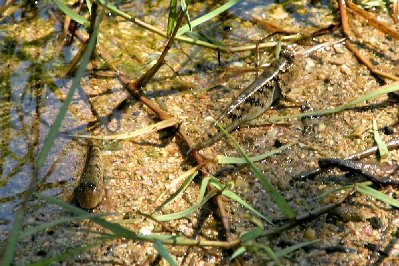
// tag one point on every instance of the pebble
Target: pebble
(309, 234)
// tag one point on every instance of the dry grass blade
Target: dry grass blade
(392, 87)
(382, 147)
(128, 135)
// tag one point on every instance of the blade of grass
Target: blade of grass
(33, 230)
(163, 252)
(188, 176)
(392, 87)
(69, 12)
(202, 199)
(239, 160)
(88, 4)
(251, 235)
(184, 8)
(338, 189)
(48, 143)
(382, 148)
(290, 249)
(277, 198)
(270, 253)
(231, 195)
(128, 135)
(238, 252)
(115, 228)
(172, 16)
(122, 232)
(207, 17)
(377, 195)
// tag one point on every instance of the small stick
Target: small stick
(344, 18)
(392, 145)
(367, 63)
(164, 116)
(395, 13)
(372, 21)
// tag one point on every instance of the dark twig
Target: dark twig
(392, 145)
(367, 63)
(143, 80)
(380, 173)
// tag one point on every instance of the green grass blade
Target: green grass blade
(115, 228)
(231, 195)
(48, 142)
(382, 148)
(268, 251)
(163, 252)
(120, 231)
(191, 174)
(392, 87)
(114, 9)
(238, 252)
(277, 198)
(202, 199)
(377, 195)
(8, 254)
(43, 226)
(340, 188)
(16, 230)
(69, 12)
(239, 160)
(251, 235)
(184, 8)
(171, 17)
(88, 4)
(290, 249)
(207, 17)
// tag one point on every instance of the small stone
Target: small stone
(345, 70)
(309, 234)
(357, 133)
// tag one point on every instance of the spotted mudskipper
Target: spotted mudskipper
(259, 96)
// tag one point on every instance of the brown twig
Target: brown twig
(395, 12)
(372, 20)
(344, 18)
(391, 145)
(367, 63)
(163, 116)
(143, 80)
(343, 4)
(195, 154)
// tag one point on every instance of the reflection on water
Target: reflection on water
(29, 101)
